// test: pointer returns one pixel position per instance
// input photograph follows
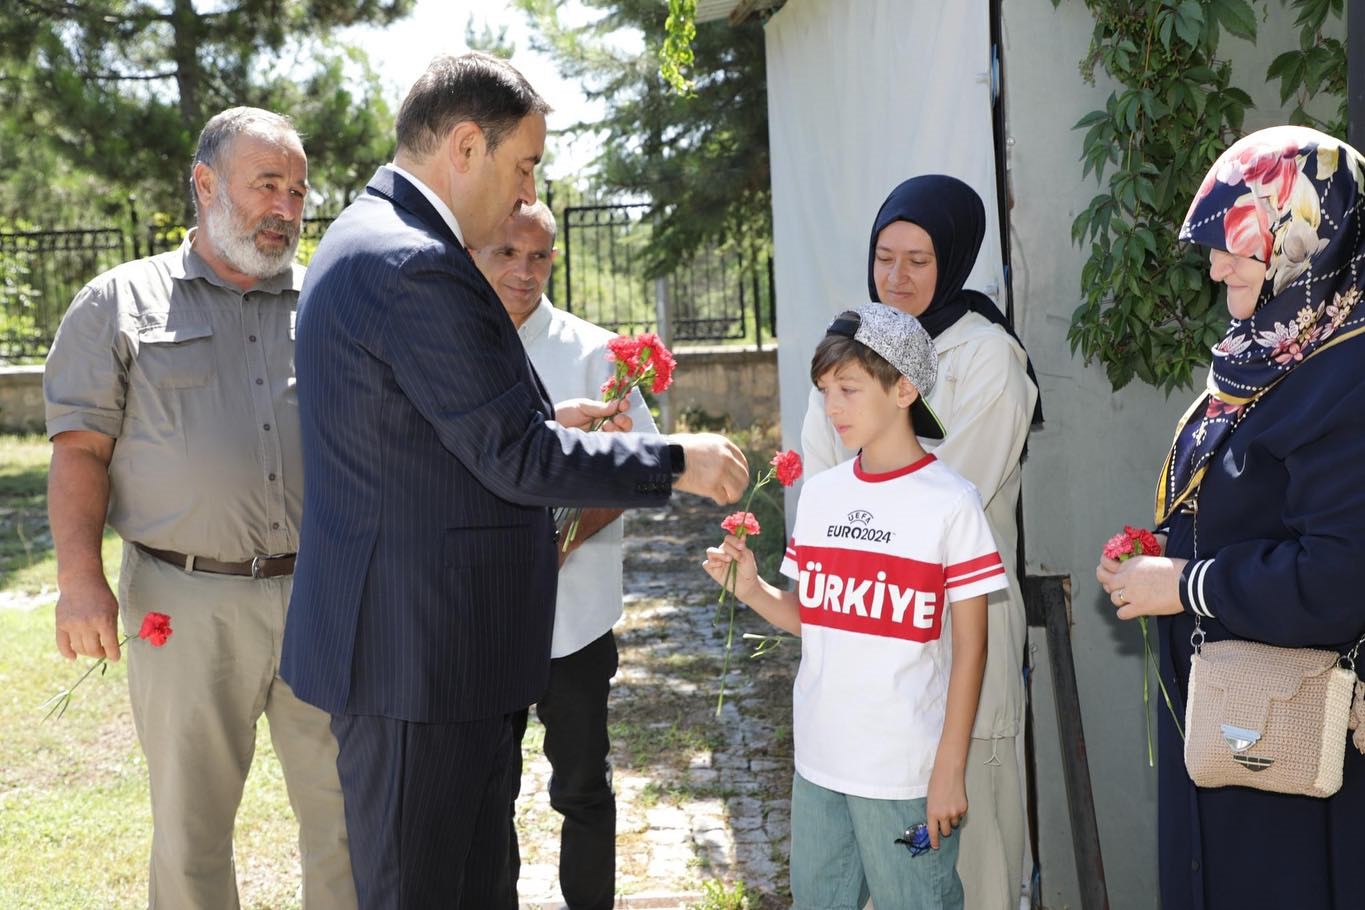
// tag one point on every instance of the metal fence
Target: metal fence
(40, 271)
(721, 295)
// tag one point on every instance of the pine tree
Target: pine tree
(114, 93)
(701, 159)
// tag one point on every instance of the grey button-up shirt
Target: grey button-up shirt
(195, 380)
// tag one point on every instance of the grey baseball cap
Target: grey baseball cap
(900, 340)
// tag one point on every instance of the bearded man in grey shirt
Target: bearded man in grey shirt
(172, 411)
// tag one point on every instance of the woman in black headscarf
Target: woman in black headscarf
(924, 244)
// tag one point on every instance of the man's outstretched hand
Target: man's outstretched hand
(713, 466)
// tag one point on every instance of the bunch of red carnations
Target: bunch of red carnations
(639, 360)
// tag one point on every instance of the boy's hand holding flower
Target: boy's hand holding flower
(733, 555)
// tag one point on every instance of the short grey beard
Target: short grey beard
(238, 249)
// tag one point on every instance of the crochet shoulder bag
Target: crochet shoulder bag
(1271, 718)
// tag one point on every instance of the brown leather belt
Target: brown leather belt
(256, 567)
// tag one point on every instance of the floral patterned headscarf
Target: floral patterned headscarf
(1294, 198)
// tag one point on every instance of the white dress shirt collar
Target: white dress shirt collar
(441, 208)
(538, 323)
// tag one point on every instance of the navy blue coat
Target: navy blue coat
(1282, 512)
(425, 583)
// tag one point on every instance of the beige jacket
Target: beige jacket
(985, 399)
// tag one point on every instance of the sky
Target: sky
(401, 52)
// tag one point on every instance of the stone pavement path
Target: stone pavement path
(698, 797)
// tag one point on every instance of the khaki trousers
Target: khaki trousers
(195, 705)
(990, 859)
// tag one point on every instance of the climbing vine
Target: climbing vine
(1148, 308)
(676, 55)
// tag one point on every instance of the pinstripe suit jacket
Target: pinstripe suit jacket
(425, 582)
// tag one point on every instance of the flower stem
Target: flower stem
(1150, 659)
(731, 581)
(562, 515)
(62, 700)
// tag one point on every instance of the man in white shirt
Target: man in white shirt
(570, 355)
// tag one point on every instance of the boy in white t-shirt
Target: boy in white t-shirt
(892, 559)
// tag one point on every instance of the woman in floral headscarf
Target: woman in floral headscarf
(1271, 453)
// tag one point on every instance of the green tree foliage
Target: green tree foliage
(700, 159)
(1316, 66)
(488, 40)
(679, 31)
(1149, 309)
(111, 94)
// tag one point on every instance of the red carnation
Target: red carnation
(1119, 547)
(741, 524)
(1132, 542)
(788, 467)
(626, 352)
(663, 363)
(156, 628)
(1149, 544)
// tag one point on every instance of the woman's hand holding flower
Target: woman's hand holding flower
(1137, 578)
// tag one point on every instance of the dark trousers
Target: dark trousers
(573, 711)
(426, 811)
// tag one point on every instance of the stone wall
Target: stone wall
(21, 399)
(737, 383)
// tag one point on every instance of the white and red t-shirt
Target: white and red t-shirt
(877, 558)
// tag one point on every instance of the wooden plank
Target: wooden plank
(1047, 600)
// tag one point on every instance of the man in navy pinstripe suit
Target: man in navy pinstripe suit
(425, 585)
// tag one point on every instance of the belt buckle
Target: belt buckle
(256, 566)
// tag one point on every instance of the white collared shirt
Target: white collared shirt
(441, 208)
(569, 353)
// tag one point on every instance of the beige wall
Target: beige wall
(725, 381)
(21, 399)
(720, 381)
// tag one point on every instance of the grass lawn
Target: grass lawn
(75, 825)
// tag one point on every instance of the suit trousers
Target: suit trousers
(426, 805)
(573, 711)
(195, 702)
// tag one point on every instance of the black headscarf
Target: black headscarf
(952, 214)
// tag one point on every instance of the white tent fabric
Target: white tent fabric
(843, 133)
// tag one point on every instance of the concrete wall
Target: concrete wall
(1093, 467)
(21, 399)
(725, 381)
(721, 381)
